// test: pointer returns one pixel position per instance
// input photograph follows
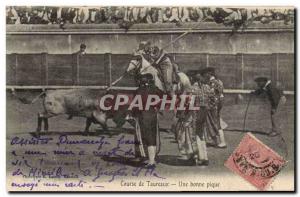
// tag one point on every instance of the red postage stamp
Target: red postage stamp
(255, 162)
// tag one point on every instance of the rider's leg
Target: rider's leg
(167, 75)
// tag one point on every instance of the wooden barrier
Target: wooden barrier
(235, 70)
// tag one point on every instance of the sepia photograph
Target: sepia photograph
(150, 98)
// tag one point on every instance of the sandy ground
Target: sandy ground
(22, 121)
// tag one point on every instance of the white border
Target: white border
(3, 3)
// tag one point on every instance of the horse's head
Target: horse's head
(135, 64)
(139, 65)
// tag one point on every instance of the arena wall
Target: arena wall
(203, 38)
(42, 54)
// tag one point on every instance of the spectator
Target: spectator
(156, 15)
(82, 15)
(265, 16)
(23, 16)
(135, 14)
(52, 14)
(208, 14)
(166, 14)
(126, 16)
(160, 15)
(174, 15)
(81, 49)
(107, 14)
(68, 15)
(196, 14)
(220, 14)
(289, 16)
(12, 16)
(38, 15)
(92, 14)
(234, 17)
(145, 15)
(101, 16)
(184, 14)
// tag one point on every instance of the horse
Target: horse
(140, 66)
(181, 126)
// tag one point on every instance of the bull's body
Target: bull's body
(75, 102)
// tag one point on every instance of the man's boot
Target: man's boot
(151, 155)
(222, 143)
(202, 152)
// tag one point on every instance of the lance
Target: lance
(165, 46)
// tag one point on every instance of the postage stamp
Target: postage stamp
(255, 162)
(150, 98)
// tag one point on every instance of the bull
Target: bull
(74, 102)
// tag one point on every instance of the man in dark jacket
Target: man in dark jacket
(277, 101)
(82, 49)
(147, 131)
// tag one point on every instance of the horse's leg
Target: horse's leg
(104, 126)
(87, 125)
(119, 119)
(101, 118)
(70, 117)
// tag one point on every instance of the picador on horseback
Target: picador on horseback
(167, 68)
(163, 62)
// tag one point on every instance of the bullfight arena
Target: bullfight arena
(234, 66)
(169, 162)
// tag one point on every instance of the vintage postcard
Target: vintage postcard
(139, 98)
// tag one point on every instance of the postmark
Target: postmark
(255, 162)
(149, 98)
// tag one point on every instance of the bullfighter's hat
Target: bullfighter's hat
(192, 73)
(143, 44)
(146, 78)
(82, 46)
